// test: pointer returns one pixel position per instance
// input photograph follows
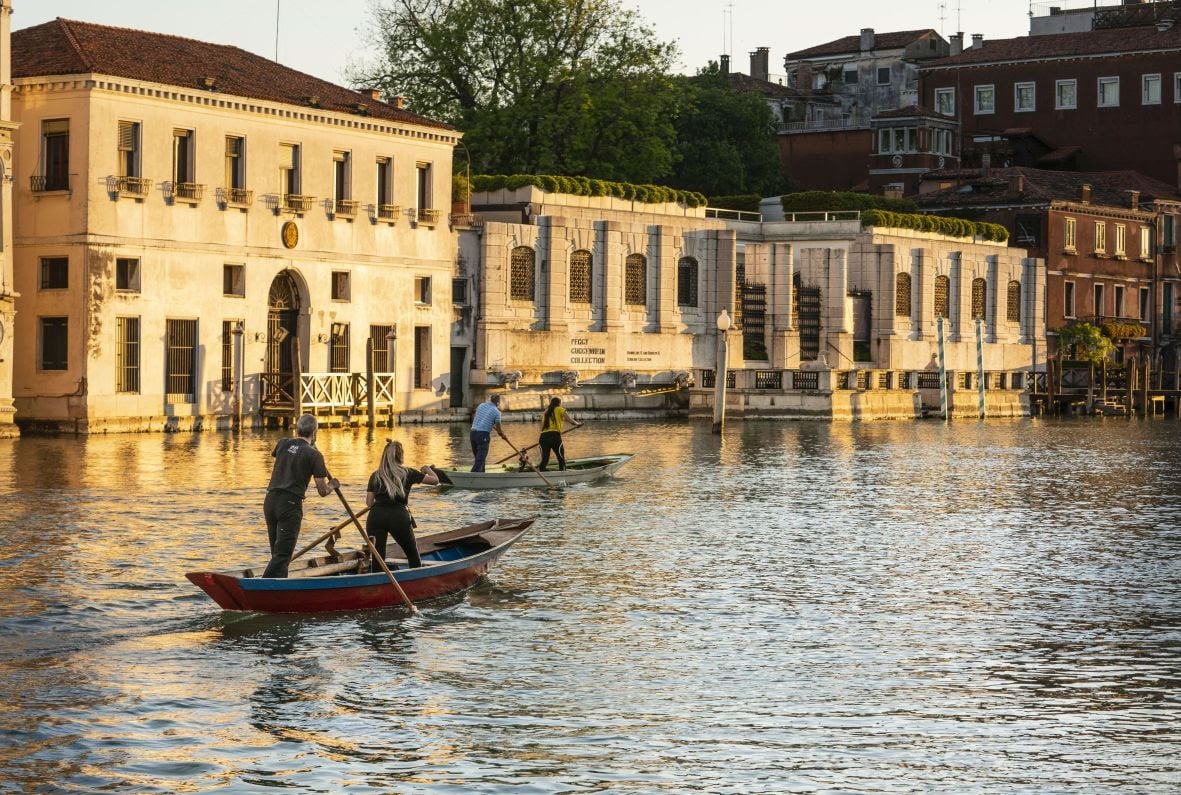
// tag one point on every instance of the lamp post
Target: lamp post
(723, 324)
(391, 340)
(239, 332)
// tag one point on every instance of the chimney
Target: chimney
(1085, 193)
(977, 41)
(724, 64)
(1017, 184)
(760, 64)
(866, 39)
(1135, 199)
(373, 93)
(957, 43)
(399, 102)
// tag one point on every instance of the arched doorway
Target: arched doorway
(282, 341)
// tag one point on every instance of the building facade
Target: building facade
(203, 233)
(7, 279)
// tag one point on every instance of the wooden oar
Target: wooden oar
(535, 444)
(373, 551)
(530, 463)
(334, 531)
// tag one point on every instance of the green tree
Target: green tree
(568, 87)
(1086, 342)
(726, 139)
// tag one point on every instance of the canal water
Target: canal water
(796, 607)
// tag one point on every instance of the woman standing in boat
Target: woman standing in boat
(387, 496)
(552, 425)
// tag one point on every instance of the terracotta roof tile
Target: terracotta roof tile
(1063, 45)
(67, 47)
(852, 44)
(1108, 188)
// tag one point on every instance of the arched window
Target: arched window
(522, 274)
(635, 280)
(580, 277)
(687, 282)
(1013, 310)
(942, 296)
(902, 295)
(979, 298)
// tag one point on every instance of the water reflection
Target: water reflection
(793, 607)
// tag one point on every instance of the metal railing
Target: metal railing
(298, 203)
(43, 183)
(129, 186)
(187, 191)
(388, 212)
(345, 207)
(238, 196)
(428, 216)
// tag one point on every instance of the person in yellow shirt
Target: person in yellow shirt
(552, 425)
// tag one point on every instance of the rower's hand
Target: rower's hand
(333, 484)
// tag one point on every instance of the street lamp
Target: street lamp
(723, 324)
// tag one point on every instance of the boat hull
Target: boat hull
(307, 593)
(578, 470)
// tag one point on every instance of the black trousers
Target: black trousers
(284, 515)
(383, 521)
(552, 441)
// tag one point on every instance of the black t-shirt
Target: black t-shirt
(382, 497)
(296, 463)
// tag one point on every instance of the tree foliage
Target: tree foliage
(726, 139)
(543, 87)
(1085, 341)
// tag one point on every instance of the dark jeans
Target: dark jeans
(480, 441)
(552, 441)
(284, 515)
(385, 520)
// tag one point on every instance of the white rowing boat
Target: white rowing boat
(515, 475)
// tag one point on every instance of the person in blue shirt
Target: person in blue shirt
(485, 420)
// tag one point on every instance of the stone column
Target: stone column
(607, 277)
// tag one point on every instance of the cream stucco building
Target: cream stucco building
(7, 290)
(202, 232)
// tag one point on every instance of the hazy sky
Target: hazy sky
(321, 37)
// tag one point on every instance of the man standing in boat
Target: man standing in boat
(484, 421)
(297, 461)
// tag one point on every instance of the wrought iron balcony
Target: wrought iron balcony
(294, 202)
(388, 212)
(345, 207)
(428, 216)
(122, 185)
(186, 191)
(43, 183)
(236, 197)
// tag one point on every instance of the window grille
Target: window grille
(942, 293)
(687, 282)
(809, 322)
(635, 285)
(1013, 307)
(926, 379)
(979, 296)
(127, 354)
(180, 353)
(338, 348)
(580, 277)
(709, 379)
(227, 355)
(55, 273)
(805, 379)
(768, 379)
(380, 349)
(523, 274)
(902, 295)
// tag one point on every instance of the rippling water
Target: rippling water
(799, 607)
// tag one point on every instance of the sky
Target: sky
(323, 38)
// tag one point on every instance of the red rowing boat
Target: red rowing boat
(452, 562)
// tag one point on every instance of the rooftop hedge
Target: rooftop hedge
(584, 186)
(953, 227)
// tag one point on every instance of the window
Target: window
(55, 154)
(180, 360)
(985, 100)
(1144, 304)
(227, 355)
(850, 75)
(338, 348)
(55, 341)
(1177, 87)
(235, 166)
(945, 101)
(580, 277)
(979, 298)
(1146, 242)
(422, 183)
(885, 141)
(902, 295)
(127, 275)
(55, 273)
(1024, 97)
(1069, 234)
(1068, 299)
(1119, 301)
(522, 274)
(1121, 240)
(182, 157)
(942, 296)
(1169, 233)
(289, 169)
(422, 290)
(1099, 307)
(422, 357)
(1150, 89)
(129, 149)
(459, 292)
(883, 75)
(341, 178)
(1166, 307)
(233, 279)
(1100, 237)
(127, 354)
(1065, 94)
(1108, 92)
(1013, 304)
(687, 282)
(341, 286)
(941, 142)
(379, 348)
(385, 182)
(635, 280)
